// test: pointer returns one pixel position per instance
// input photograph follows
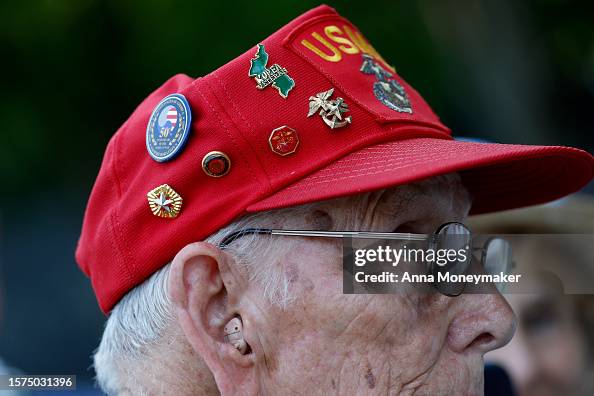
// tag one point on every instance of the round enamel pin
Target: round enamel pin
(216, 164)
(168, 128)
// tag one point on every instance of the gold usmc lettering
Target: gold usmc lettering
(334, 42)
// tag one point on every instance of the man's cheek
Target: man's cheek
(371, 319)
(455, 375)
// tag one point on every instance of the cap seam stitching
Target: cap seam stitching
(222, 84)
(119, 239)
(114, 165)
(125, 249)
(304, 25)
(221, 123)
(122, 256)
(386, 167)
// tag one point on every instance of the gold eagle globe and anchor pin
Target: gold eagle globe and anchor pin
(164, 201)
(331, 110)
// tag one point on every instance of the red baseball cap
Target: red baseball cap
(313, 112)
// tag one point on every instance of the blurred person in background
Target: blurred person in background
(552, 352)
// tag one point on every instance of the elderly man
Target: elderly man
(309, 130)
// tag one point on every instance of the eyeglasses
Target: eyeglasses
(495, 255)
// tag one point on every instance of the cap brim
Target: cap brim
(499, 176)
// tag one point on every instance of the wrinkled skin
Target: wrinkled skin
(326, 342)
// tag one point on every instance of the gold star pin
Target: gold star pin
(164, 201)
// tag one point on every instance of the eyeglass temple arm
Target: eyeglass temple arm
(328, 234)
(353, 234)
(246, 231)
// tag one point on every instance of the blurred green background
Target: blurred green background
(72, 72)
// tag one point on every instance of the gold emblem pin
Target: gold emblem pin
(164, 201)
(331, 110)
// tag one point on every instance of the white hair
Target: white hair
(139, 321)
(142, 323)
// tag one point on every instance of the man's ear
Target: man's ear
(206, 293)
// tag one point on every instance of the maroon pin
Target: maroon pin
(283, 141)
(216, 164)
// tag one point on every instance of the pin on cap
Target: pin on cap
(275, 75)
(283, 141)
(386, 89)
(168, 128)
(216, 164)
(164, 201)
(331, 110)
